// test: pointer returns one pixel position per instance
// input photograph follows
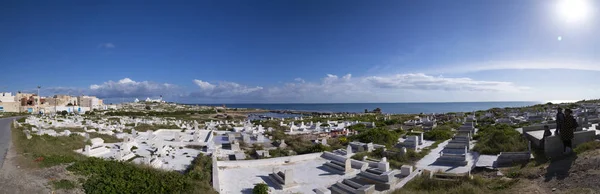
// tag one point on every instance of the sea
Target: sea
(392, 108)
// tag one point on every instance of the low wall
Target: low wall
(355, 163)
(553, 145)
(268, 161)
(215, 174)
(511, 158)
(538, 127)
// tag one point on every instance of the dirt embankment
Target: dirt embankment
(572, 174)
(16, 178)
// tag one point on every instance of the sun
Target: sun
(574, 10)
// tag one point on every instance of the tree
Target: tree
(64, 113)
(260, 188)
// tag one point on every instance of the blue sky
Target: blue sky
(303, 51)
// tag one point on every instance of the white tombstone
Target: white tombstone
(67, 132)
(97, 142)
(87, 150)
(260, 138)
(405, 170)
(383, 165)
(324, 141)
(348, 151)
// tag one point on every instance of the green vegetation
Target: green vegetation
(260, 188)
(46, 150)
(71, 129)
(358, 127)
(120, 177)
(493, 139)
(12, 114)
(21, 120)
(105, 137)
(438, 134)
(377, 136)
(396, 161)
(63, 184)
(587, 146)
(424, 184)
(103, 176)
(146, 127)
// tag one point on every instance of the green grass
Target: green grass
(106, 138)
(396, 161)
(47, 150)
(63, 184)
(425, 185)
(493, 139)
(121, 177)
(71, 129)
(587, 146)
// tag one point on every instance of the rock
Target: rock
(553, 189)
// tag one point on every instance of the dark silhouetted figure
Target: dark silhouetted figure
(560, 120)
(568, 128)
(547, 133)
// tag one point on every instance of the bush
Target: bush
(63, 184)
(377, 136)
(425, 184)
(592, 145)
(260, 188)
(21, 120)
(119, 177)
(438, 134)
(494, 139)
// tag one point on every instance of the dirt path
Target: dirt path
(16, 179)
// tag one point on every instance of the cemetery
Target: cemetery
(244, 153)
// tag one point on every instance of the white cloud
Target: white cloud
(516, 65)
(421, 81)
(333, 88)
(129, 88)
(107, 45)
(223, 90)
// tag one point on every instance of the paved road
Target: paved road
(4, 137)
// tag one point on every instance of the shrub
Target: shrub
(260, 188)
(425, 184)
(119, 177)
(494, 139)
(21, 120)
(592, 145)
(63, 184)
(377, 136)
(438, 134)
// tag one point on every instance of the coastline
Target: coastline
(386, 108)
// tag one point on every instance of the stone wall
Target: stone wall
(512, 158)
(553, 145)
(355, 163)
(268, 161)
(538, 127)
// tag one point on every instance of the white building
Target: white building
(7, 97)
(155, 100)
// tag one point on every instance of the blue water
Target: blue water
(394, 108)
